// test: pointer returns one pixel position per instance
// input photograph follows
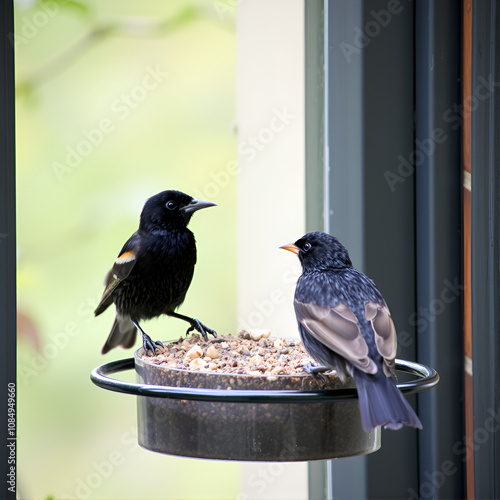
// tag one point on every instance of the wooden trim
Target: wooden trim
(467, 188)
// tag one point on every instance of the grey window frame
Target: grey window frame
(415, 244)
(7, 236)
(388, 98)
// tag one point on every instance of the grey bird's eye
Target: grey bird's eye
(171, 205)
(307, 246)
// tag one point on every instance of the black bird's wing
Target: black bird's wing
(338, 329)
(121, 270)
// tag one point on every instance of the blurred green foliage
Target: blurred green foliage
(116, 101)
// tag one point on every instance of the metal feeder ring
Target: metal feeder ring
(249, 417)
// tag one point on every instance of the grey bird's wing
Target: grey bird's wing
(338, 329)
(385, 334)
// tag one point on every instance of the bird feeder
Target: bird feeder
(284, 418)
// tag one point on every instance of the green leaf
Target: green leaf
(81, 7)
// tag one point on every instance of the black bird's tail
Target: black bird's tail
(122, 333)
(382, 403)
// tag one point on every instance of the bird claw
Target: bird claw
(201, 328)
(316, 374)
(147, 343)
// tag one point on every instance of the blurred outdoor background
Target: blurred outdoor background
(116, 101)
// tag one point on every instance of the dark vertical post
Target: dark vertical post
(315, 113)
(485, 246)
(7, 255)
(344, 124)
(314, 151)
(437, 164)
(344, 164)
(389, 209)
(370, 136)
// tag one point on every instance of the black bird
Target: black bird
(345, 325)
(153, 270)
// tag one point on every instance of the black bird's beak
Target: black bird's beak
(195, 205)
(291, 247)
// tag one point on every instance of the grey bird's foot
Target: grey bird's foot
(316, 373)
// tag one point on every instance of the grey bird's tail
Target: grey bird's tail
(122, 333)
(382, 403)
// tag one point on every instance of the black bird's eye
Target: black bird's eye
(307, 246)
(171, 205)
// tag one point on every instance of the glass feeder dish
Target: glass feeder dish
(222, 416)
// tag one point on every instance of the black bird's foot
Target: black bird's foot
(196, 324)
(201, 328)
(316, 373)
(147, 343)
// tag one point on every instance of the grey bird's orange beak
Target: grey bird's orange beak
(291, 247)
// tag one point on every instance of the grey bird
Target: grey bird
(345, 325)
